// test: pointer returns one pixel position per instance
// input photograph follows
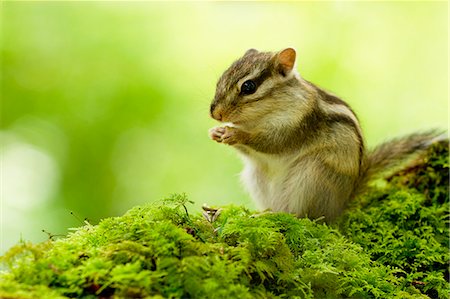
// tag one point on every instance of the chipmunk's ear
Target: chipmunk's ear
(251, 51)
(286, 60)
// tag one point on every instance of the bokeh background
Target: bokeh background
(104, 105)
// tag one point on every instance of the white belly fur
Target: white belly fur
(271, 182)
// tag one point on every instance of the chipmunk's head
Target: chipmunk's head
(253, 85)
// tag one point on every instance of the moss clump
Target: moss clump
(391, 243)
(406, 223)
(161, 251)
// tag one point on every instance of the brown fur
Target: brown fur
(391, 153)
(303, 148)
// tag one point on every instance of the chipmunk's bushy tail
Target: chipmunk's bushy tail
(393, 152)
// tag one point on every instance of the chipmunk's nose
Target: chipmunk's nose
(215, 112)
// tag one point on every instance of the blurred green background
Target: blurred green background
(105, 105)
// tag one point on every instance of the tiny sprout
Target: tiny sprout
(86, 221)
(83, 222)
(52, 236)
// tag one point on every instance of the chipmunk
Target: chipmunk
(302, 147)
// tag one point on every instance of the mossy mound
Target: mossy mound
(391, 243)
(406, 223)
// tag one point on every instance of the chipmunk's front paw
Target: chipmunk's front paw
(227, 135)
(216, 133)
(230, 136)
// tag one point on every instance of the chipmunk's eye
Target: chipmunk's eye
(248, 87)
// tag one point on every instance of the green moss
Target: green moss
(406, 223)
(391, 243)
